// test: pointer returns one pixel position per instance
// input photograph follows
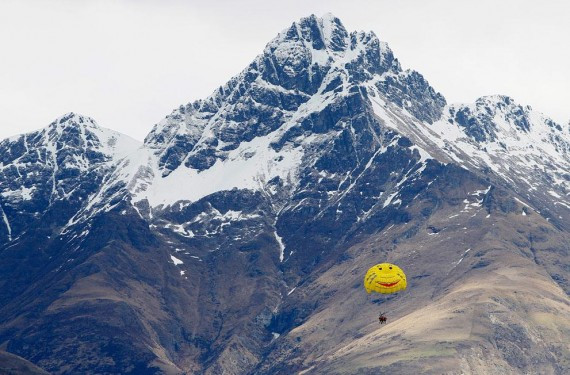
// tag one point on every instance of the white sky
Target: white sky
(128, 63)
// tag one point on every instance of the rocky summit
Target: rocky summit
(235, 239)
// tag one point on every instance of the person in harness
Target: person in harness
(382, 318)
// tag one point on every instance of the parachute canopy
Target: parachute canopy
(385, 278)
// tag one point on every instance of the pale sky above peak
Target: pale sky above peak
(128, 63)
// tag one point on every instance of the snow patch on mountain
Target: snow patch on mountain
(176, 261)
(7, 224)
(281, 247)
(249, 166)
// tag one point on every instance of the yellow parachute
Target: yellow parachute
(385, 278)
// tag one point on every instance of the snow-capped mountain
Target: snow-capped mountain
(514, 145)
(256, 126)
(61, 164)
(260, 124)
(234, 239)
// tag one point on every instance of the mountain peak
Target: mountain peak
(495, 117)
(74, 119)
(500, 101)
(70, 141)
(73, 130)
(324, 33)
(302, 70)
(314, 42)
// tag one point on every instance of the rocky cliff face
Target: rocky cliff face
(235, 239)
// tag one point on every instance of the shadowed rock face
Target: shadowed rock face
(319, 160)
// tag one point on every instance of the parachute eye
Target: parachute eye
(380, 268)
(390, 267)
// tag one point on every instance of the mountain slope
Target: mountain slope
(479, 299)
(13, 365)
(235, 239)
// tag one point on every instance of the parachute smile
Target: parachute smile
(388, 285)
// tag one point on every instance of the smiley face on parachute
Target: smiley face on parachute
(385, 278)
